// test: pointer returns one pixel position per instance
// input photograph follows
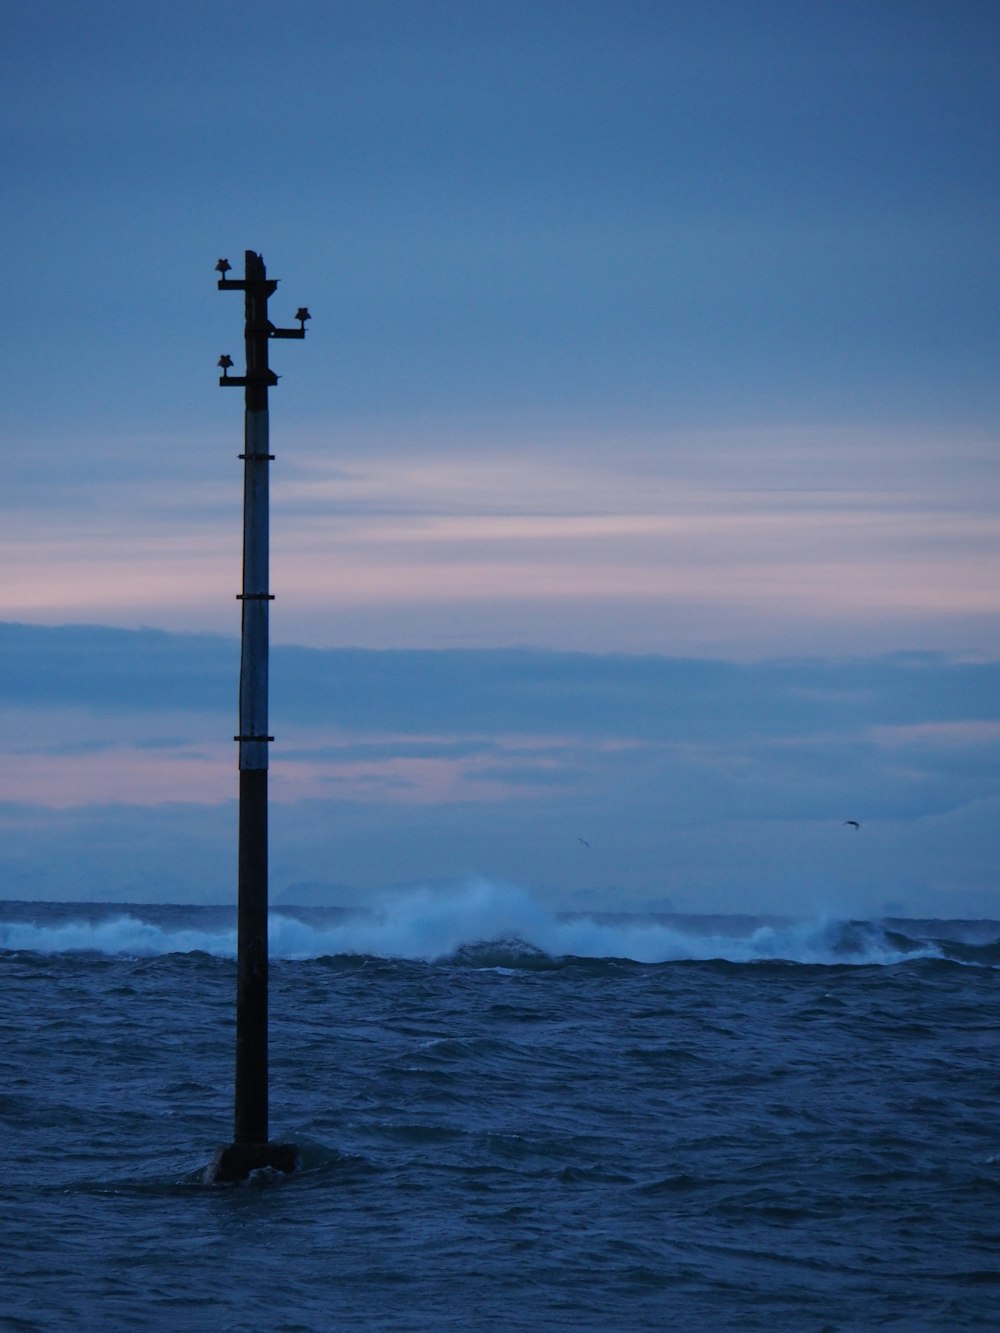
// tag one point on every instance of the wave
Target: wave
(486, 924)
(505, 922)
(117, 936)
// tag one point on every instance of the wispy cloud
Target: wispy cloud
(714, 784)
(118, 775)
(693, 543)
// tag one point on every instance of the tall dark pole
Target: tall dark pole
(251, 1148)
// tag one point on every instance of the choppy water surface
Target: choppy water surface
(617, 1125)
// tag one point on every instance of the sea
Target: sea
(506, 1118)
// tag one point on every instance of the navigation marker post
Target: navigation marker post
(251, 1148)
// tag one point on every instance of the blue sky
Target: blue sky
(640, 332)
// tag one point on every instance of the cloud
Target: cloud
(736, 544)
(108, 670)
(714, 784)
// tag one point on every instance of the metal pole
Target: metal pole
(251, 1148)
(251, 981)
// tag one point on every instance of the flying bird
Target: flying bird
(584, 841)
(853, 823)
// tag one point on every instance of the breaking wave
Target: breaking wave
(432, 926)
(483, 924)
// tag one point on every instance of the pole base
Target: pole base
(236, 1161)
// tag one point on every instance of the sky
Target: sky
(634, 511)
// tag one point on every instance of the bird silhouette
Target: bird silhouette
(853, 823)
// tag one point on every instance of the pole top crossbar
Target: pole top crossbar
(266, 285)
(259, 288)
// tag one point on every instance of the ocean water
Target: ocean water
(506, 1119)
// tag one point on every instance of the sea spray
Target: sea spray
(435, 924)
(118, 935)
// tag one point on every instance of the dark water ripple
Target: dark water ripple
(591, 1144)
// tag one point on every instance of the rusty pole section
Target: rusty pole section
(251, 1147)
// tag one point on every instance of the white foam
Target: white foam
(119, 935)
(431, 924)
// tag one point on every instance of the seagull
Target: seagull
(584, 841)
(853, 823)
